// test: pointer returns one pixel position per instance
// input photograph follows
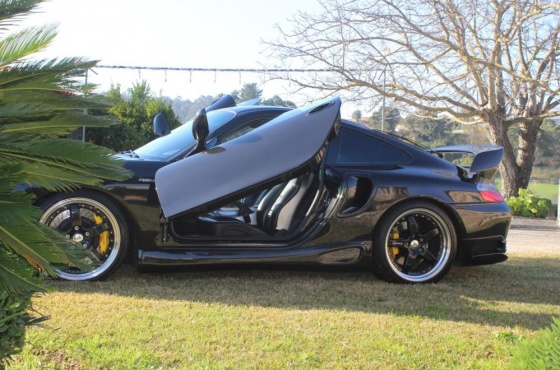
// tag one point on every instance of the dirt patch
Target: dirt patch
(59, 358)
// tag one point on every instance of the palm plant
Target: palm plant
(40, 101)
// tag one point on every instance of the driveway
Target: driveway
(530, 235)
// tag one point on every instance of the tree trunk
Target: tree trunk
(514, 169)
(528, 134)
(498, 135)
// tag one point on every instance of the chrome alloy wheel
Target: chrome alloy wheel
(419, 246)
(90, 224)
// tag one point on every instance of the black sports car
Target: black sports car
(245, 184)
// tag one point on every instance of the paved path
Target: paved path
(528, 235)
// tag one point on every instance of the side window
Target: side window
(242, 130)
(359, 149)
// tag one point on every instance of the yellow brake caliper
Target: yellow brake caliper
(395, 249)
(103, 237)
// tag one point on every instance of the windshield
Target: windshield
(179, 140)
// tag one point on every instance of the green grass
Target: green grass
(282, 318)
(549, 191)
(542, 190)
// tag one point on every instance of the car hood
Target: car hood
(271, 153)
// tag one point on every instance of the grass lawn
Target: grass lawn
(287, 318)
(549, 191)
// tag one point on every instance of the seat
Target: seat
(267, 202)
(278, 217)
(277, 212)
(284, 215)
(220, 223)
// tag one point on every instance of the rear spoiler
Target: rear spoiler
(486, 157)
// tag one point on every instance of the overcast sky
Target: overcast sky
(171, 33)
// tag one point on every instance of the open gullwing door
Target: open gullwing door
(270, 154)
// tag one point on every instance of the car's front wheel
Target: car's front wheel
(94, 222)
(414, 243)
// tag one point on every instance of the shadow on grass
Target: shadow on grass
(520, 292)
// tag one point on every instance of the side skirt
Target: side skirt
(321, 255)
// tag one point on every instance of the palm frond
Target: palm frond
(54, 151)
(54, 75)
(56, 179)
(85, 163)
(59, 125)
(11, 10)
(56, 101)
(11, 175)
(42, 247)
(75, 255)
(15, 239)
(17, 206)
(25, 42)
(62, 165)
(21, 233)
(19, 230)
(18, 111)
(16, 275)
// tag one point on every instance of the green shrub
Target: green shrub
(13, 319)
(542, 352)
(528, 204)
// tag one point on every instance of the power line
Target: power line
(198, 69)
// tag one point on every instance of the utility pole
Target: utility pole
(85, 112)
(383, 102)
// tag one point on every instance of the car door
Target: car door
(274, 152)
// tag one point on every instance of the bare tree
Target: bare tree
(475, 61)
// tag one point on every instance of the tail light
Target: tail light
(489, 193)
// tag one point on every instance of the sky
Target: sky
(172, 33)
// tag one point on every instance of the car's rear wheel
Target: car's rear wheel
(94, 222)
(414, 243)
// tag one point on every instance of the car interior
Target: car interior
(279, 212)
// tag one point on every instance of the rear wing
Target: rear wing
(486, 158)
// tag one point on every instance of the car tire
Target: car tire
(414, 243)
(78, 216)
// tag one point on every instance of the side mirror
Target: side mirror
(200, 131)
(161, 127)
